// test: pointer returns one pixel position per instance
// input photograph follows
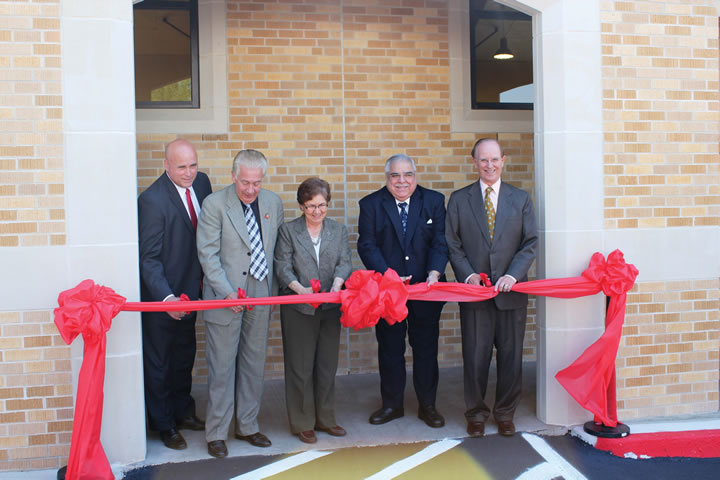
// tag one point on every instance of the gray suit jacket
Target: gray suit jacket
(224, 245)
(512, 250)
(295, 258)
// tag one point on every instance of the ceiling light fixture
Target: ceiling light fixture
(503, 53)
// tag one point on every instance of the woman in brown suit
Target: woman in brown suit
(311, 247)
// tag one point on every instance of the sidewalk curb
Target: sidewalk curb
(698, 438)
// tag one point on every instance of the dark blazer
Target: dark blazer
(168, 255)
(381, 244)
(515, 238)
(295, 258)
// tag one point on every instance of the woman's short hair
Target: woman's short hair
(311, 187)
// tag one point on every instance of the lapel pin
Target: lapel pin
(267, 216)
(429, 221)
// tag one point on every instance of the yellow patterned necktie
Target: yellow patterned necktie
(490, 212)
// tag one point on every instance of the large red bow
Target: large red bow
(369, 296)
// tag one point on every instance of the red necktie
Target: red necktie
(193, 216)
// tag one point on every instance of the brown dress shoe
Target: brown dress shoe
(308, 436)
(191, 422)
(506, 428)
(476, 429)
(217, 449)
(257, 439)
(336, 431)
(173, 439)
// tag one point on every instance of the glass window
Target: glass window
(501, 57)
(166, 54)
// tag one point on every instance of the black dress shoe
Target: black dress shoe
(476, 429)
(385, 415)
(431, 417)
(257, 439)
(217, 448)
(173, 439)
(190, 423)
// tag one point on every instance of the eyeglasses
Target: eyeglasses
(313, 208)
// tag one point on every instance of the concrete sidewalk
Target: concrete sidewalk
(359, 395)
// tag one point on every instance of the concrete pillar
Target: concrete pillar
(101, 191)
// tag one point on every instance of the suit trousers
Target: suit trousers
(482, 328)
(236, 368)
(422, 326)
(168, 358)
(310, 346)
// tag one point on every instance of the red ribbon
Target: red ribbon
(88, 309)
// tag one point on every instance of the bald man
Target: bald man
(169, 266)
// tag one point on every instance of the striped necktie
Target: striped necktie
(258, 262)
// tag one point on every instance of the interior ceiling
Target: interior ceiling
(154, 35)
(493, 22)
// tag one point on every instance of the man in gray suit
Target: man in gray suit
(490, 228)
(236, 240)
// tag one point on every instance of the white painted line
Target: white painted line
(553, 458)
(406, 464)
(282, 465)
(541, 471)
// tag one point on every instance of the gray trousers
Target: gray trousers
(483, 328)
(236, 369)
(310, 345)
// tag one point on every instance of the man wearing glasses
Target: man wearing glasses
(402, 226)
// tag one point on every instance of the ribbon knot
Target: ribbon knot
(87, 310)
(369, 296)
(315, 285)
(614, 276)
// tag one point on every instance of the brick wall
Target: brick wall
(660, 104)
(31, 143)
(334, 92)
(35, 372)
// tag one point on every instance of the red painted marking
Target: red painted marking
(697, 444)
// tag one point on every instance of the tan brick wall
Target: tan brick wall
(668, 358)
(660, 102)
(32, 211)
(35, 392)
(330, 92)
(35, 372)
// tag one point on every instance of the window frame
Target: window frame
(192, 7)
(473, 18)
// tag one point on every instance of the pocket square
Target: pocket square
(429, 221)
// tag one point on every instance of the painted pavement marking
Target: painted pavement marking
(561, 465)
(427, 453)
(283, 465)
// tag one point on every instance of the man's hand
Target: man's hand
(238, 308)
(433, 276)
(175, 315)
(474, 279)
(505, 283)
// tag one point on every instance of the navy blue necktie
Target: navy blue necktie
(403, 215)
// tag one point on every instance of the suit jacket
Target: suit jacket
(295, 258)
(168, 255)
(514, 244)
(381, 244)
(224, 245)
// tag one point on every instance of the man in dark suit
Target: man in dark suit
(169, 267)
(402, 226)
(491, 229)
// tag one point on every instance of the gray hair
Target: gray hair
(400, 157)
(249, 159)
